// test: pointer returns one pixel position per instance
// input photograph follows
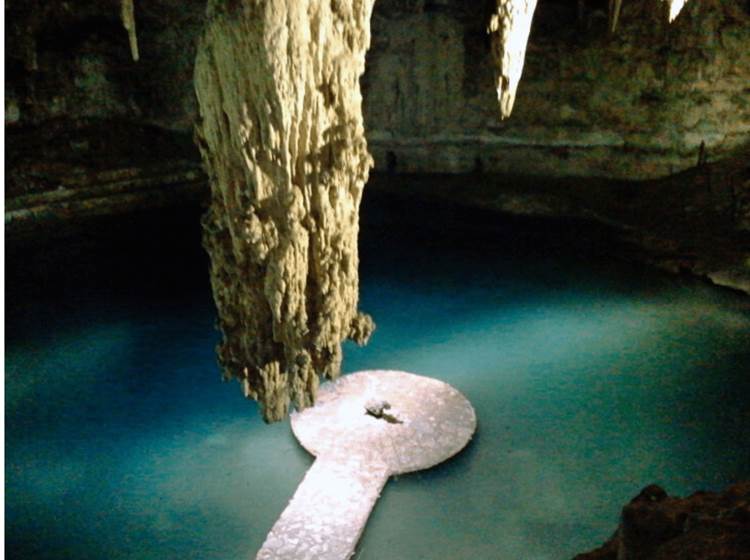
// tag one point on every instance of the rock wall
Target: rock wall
(282, 138)
(636, 104)
(72, 61)
(89, 130)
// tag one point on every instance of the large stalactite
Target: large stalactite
(509, 28)
(282, 138)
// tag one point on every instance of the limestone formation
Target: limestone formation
(282, 139)
(615, 7)
(127, 13)
(509, 27)
(675, 7)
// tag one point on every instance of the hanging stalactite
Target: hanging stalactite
(615, 7)
(675, 7)
(127, 14)
(282, 138)
(509, 28)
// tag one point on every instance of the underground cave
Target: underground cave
(540, 209)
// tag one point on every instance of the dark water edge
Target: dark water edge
(591, 378)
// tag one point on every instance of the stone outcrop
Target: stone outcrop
(703, 526)
(282, 139)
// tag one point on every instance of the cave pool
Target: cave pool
(591, 378)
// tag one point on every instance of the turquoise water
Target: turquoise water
(590, 378)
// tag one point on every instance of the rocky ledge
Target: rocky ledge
(693, 222)
(94, 167)
(703, 526)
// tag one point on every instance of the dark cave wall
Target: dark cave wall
(72, 61)
(634, 105)
(89, 131)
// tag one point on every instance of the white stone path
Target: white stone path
(414, 423)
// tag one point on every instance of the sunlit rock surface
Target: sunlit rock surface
(282, 139)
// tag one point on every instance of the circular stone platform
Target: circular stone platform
(363, 428)
(424, 421)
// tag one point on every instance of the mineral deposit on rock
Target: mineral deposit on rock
(282, 139)
(510, 26)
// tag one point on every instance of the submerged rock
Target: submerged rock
(282, 139)
(703, 526)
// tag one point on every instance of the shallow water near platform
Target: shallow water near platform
(591, 378)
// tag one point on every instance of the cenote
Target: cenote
(590, 377)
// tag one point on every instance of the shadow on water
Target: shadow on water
(591, 378)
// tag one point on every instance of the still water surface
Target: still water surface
(590, 378)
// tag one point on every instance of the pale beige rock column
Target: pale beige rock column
(615, 7)
(282, 138)
(509, 29)
(675, 7)
(127, 14)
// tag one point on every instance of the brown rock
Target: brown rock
(703, 526)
